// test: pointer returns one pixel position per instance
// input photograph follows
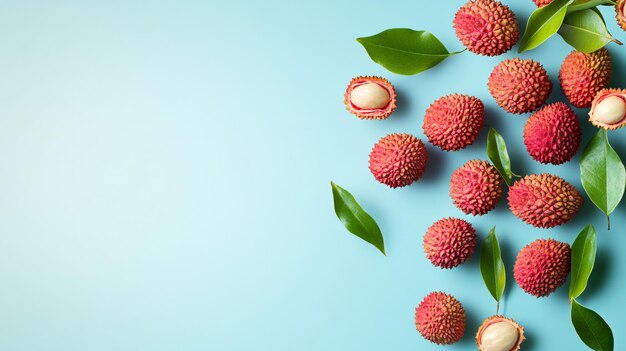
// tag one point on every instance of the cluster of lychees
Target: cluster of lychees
(552, 134)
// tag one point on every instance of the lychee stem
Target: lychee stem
(497, 307)
(608, 220)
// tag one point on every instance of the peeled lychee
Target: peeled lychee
(498, 333)
(370, 97)
(608, 109)
(542, 3)
(544, 200)
(552, 134)
(398, 160)
(449, 242)
(620, 13)
(542, 266)
(440, 318)
(486, 27)
(476, 187)
(519, 86)
(453, 121)
(583, 75)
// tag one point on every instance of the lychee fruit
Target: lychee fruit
(398, 160)
(453, 121)
(552, 134)
(498, 333)
(440, 318)
(542, 3)
(608, 109)
(486, 27)
(583, 75)
(370, 97)
(449, 242)
(476, 187)
(544, 200)
(620, 13)
(519, 86)
(542, 266)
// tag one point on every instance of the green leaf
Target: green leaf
(543, 23)
(492, 267)
(583, 258)
(498, 155)
(405, 51)
(586, 31)
(591, 328)
(579, 5)
(602, 174)
(355, 219)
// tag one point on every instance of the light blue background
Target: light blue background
(166, 181)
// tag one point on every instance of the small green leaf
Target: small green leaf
(492, 267)
(579, 5)
(498, 155)
(355, 219)
(543, 23)
(405, 51)
(583, 258)
(591, 328)
(602, 174)
(586, 31)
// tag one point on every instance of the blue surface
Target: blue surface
(166, 181)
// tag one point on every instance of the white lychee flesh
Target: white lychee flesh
(611, 110)
(369, 96)
(500, 336)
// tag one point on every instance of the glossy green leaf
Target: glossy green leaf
(498, 155)
(355, 219)
(586, 31)
(583, 258)
(543, 23)
(591, 328)
(602, 173)
(579, 5)
(492, 267)
(405, 51)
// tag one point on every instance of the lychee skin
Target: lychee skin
(476, 187)
(542, 3)
(486, 27)
(620, 13)
(542, 266)
(449, 242)
(552, 134)
(544, 200)
(519, 86)
(583, 75)
(440, 318)
(398, 160)
(454, 121)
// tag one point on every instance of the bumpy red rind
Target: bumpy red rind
(454, 121)
(486, 27)
(476, 187)
(583, 75)
(542, 266)
(519, 86)
(398, 160)
(552, 134)
(544, 200)
(449, 242)
(440, 318)
(620, 13)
